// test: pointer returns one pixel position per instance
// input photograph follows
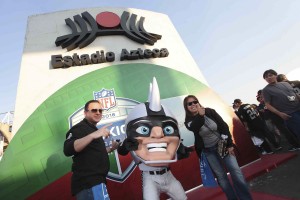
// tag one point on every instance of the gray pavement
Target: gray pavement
(282, 181)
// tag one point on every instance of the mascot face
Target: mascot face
(158, 137)
(155, 129)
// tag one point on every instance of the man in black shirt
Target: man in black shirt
(255, 125)
(84, 142)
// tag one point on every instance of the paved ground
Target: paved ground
(282, 181)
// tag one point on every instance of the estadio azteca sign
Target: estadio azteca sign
(105, 24)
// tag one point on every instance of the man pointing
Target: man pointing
(84, 142)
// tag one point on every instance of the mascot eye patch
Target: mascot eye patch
(142, 127)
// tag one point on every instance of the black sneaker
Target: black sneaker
(263, 153)
(271, 152)
(294, 149)
(278, 148)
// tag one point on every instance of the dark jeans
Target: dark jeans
(279, 123)
(241, 190)
(293, 123)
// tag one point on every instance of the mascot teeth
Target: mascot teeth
(154, 147)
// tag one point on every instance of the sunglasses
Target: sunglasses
(192, 102)
(95, 110)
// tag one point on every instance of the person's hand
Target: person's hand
(284, 116)
(201, 110)
(231, 151)
(102, 132)
(114, 145)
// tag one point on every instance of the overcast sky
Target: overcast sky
(232, 41)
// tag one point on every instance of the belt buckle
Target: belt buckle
(159, 172)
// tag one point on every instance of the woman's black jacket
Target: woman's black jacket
(194, 123)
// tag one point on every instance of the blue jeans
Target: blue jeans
(241, 190)
(293, 123)
(98, 192)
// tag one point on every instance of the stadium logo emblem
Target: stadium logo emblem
(106, 23)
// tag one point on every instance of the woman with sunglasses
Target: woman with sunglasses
(207, 126)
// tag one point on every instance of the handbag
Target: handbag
(222, 146)
(208, 179)
(222, 143)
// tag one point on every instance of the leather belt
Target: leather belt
(159, 172)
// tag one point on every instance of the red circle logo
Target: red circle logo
(108, 19)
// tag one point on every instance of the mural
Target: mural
(51, 101)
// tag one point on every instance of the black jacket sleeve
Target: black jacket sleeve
(194, 124)
(72, 135)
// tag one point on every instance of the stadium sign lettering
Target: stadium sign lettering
(59, 61)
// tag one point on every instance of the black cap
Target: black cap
(237, 101)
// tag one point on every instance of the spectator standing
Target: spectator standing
(206, 123)
(256, 126)
(281, 99)
(266, 116)
(84, 142)
(294, 84)
(273, 120)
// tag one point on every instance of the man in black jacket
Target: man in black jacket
(84, 142)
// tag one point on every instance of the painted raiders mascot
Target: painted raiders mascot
(153, 140)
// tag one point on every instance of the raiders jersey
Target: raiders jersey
(249, 115)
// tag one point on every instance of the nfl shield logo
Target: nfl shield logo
(106, 97)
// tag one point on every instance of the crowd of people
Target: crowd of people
(277, 114)
(151, 127)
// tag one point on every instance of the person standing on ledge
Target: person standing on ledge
(208, 126)
(84, 142)
(281, 99)
(295, 84)
(256, 127)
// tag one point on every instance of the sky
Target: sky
(232, 41)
